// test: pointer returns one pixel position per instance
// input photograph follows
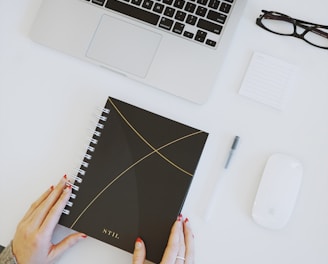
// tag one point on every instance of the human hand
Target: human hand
(32, 241)
(179, 249)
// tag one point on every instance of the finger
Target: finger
(182, 248)
(55, 212)
(41, 212)
(189, 242)
(37, 203)
(172, 248)
(139, 253)
(58, 249)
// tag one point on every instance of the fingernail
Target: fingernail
(65, 177)
(138, 242)
(84, 236)
(179, 217)
(52, 188)
(186, 220)
(68, 185)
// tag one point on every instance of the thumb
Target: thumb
(69, 241)
(139, 253)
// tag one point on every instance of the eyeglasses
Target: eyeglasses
(277, 23)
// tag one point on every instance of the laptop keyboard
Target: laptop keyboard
(201, 21)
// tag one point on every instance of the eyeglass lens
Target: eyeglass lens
(315, 37)
(279, 26)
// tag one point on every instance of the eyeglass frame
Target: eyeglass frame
(307, 26)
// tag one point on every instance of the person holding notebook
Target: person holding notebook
(32, 241)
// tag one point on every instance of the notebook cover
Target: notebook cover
(137, 179)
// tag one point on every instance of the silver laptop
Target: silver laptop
(174, 45)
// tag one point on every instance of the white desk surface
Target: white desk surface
(47, 100)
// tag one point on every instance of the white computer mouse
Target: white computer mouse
(278, 190)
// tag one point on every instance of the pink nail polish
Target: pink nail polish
(179, 217)
(65, 177)
(84, 236)
(139, 240)
(186, 220)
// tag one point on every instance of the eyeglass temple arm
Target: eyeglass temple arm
(313, 29)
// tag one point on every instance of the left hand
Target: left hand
(32, 241)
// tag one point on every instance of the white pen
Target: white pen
(214, 197)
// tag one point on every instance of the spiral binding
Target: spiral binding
(80, 172)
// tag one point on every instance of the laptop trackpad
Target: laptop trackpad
(123, 46)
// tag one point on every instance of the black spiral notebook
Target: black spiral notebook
(134, 178)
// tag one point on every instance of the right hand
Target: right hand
(179, 249)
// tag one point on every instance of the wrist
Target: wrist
(12, 253)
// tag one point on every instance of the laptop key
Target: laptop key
(180, 15)
(201, 11)
(179, 3)
(178, 28)
(148, 4)
(214, 4)
(132, 11)
(216, 16)
(169, 11)
(225, 8)
(191, 19)
(158, 8)
(98, 2)
(166, 23)
(188, 34)
(168, 2)
(200, 36)
(210, 42)
(190, 7)
(202, 2)
(209, 26)
(136, 2)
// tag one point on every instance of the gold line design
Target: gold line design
(126, 170)
(138, 161)
(147, 143)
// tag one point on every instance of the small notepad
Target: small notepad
(268, 80)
